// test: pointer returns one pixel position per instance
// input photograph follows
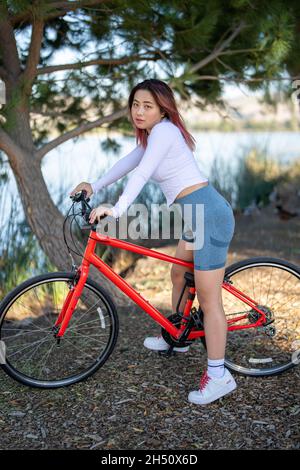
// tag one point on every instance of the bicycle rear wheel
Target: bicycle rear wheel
(275, 285)
(27, 316)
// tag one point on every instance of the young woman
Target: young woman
(164, 153)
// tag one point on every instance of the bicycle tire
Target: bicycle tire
(111, 315)
(240, 266)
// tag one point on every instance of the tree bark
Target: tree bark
(43, 217)
(45, 220)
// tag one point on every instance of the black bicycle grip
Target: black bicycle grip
(84, 194)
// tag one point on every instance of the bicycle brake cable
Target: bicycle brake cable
(73, 215)
(64, 235)
(71, 234)
(83, 213)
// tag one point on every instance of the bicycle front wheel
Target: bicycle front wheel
(33, 356)
(270, 349)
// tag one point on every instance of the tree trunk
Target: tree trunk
(44, 219)
(16, 141)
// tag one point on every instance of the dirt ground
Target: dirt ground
(138, 399)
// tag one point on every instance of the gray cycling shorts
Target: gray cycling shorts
(209, 225)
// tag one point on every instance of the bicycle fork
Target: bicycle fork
(70, 302)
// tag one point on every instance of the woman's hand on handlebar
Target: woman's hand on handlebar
(83, 186)
(99, 212)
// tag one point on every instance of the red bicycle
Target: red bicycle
(59, 328)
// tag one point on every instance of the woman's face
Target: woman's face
(145, 111)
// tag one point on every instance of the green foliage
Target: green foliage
(171, 39)
(256, 177)
(110, 145)
(293, 173)
(20, 254)
(222, 177)
(175, 36)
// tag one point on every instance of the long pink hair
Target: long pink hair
(164, 97)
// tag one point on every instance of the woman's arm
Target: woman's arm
(121, 168)
(159, 142)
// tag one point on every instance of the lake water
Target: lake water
(84, 159)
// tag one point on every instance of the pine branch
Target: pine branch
(34, 54)
(242, 51)
(7, 145)
(80, 65)
(57, 9)
(226, 66)
(9, 51)
(242, 79)
(50, 113)
(218, 49)
(81, 129)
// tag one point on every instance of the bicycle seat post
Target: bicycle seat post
(180, 297)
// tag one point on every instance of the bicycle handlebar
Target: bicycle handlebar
(80, 196)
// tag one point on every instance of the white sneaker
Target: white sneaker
(157, 343)
(212, 388)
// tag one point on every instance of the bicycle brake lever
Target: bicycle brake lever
(80, 196)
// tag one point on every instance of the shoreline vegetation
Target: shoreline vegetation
(260, 184)
(223, 126)
(240, 114)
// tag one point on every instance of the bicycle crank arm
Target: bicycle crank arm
(170, 352)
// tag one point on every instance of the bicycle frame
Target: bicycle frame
(90, 257)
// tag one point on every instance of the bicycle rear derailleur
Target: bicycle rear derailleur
(253, 317)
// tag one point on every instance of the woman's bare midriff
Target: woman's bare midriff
(190, 189)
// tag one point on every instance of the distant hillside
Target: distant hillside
(245, 112)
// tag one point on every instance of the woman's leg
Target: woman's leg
(216, 381)
(157, 343)
(209, 293)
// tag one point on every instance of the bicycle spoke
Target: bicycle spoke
(24, 332)
(269, 284)
(27, 308)
(35, 350)
(87, 336)
(87, 312)
(83, 324)
(38, 299)
(31, 346)
(276, 289)
(78, 349)
(26, 347)
(46, 356)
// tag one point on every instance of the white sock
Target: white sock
(215, 368)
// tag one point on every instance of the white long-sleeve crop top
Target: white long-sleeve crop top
(167, 160)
